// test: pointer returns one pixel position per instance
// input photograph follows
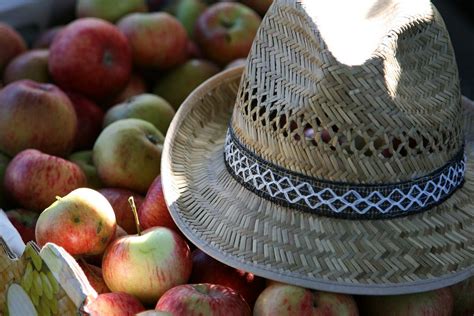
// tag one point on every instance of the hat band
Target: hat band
(337, 199)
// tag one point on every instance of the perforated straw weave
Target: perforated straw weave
(297, 107)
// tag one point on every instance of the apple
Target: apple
(148, 107)
(285, 299)
(154, 212)
(33, 179)
(118, 198)
(45, 39)
(84, 160)
(261, 6)
(189, 75)
(434, 303)
(4, 161)
(127, 154)
(208, 270)
(135, 86)
(82, 222)
(24, 221)
(91, 57)
(463, 294)
(203, 299)
(187, 12)
(36, 115)
(31, 65)
(110, 10)
(94, 276)
(12, 45)
(148, 264)
(116, 304)
(158, 40)
(226, 30)
(89, 120)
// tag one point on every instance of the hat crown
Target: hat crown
(393, 117)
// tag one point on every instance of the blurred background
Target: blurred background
(32, 16)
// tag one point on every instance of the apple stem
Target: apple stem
(131, 201)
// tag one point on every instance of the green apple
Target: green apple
(110, 10)
(127, 154)
(82, 222)
(148, 107)
(178, 83)
(4, 160)
(84, 160)
(32, 65)
(187, 12)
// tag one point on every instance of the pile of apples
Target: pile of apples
(83, 117)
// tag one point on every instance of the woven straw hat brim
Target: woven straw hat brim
(415, 253)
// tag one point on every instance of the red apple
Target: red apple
(261, 6)
(36, 115)
(24, 221)
(34, 179)
(118, 198)
(91, 57)
(284, 299)
(46, 38)
(89, 117)
(432, 303)
(12, 45)
(158, 40)
(31, 65)
(148, 264)
(154, 212)
(82, 222)
(463, 294)
(226, 30)
(114, 304)
(94, 276)
(135, 86)
(203, 299)
(208, 270)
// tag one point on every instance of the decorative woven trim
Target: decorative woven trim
(341, 200)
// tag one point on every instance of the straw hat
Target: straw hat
(332, 161)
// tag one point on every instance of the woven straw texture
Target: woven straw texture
(294, 91)
(292, 85)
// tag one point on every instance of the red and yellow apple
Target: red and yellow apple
(110, 10)
(82, 222)
(12, 45)
(36, 115)
(34, 179)
(31, 65)
(114, 304)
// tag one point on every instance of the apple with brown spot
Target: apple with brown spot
(34, 179)
(148, 264)
(116, 304)
(82, 222)
(285, 299)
